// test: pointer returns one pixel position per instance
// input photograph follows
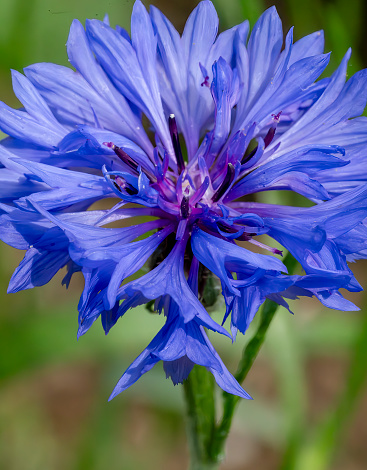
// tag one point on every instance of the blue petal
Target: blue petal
(222, 89)
(14, 185)
(197, 39)
(48, 246)
(71, 187)
(168, 279)
(180, 341)
(122, 64)
(263, 49)
(224, 45)
(299, 76)
(21, 125)
(308, 160)
(243, 70)
(86, 148)
(179, 369)
(308, 46)
(338, 103)
(174, 84)
(199, 34)
(221, 257)
(336, 301)
(245, 306)
(75, 101)
(33, 103)
(37, 268)
(21, 229)
(81, 57)
(181, 58)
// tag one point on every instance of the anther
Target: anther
(247, 158)
(117, 186)
(205, 76)
(125, 158)
(176, 142)
(228, 180)
(120, 184)
(205, 82)
(185, 208)
(269, 136)
(276, 117)
(271, 132)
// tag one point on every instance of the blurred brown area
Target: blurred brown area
(60, 404)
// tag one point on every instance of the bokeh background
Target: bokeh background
(310, 407)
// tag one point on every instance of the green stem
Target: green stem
(247, 360)
(206, 439)
(249, 355)
(200, 404)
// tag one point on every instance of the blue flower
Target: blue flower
(230, 115)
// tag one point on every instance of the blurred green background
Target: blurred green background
(310, 405)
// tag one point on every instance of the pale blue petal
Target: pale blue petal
(264, 46)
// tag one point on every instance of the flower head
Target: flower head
(231, 115)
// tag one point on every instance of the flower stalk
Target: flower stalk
(200, 409)
(249, 355)
(230, 402)
(206, 438)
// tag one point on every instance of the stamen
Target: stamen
(269, 136)
(247, 158)
(123, 156)
(271, 132)
(176, 142)
(206, 81)
(120, 183)
(185, 208)
(131, 163)
(276, 117)
(117, 186)
(266, 247)
(205, 76)
(228, 180)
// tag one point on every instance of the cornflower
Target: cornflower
(229, 116)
